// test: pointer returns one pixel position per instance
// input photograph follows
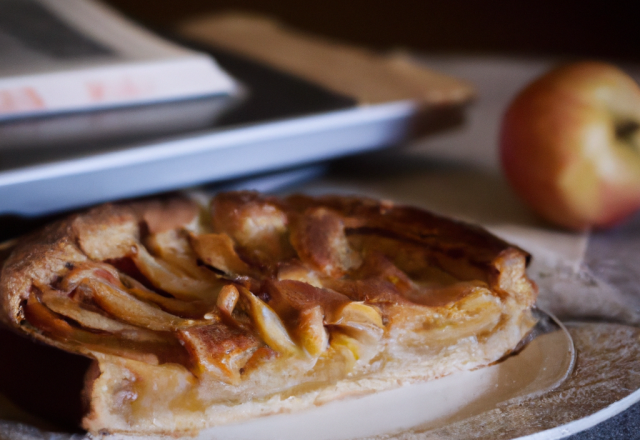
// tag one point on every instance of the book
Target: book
(71, 55)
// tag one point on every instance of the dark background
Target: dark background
(568, 28)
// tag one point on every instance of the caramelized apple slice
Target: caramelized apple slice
(348, 347)
(217, 251)
(89, 269)
(227, 299)
(290, 297)
(357, 328)
(173, 247)
(255, 223)
(474, 315)
(360, 321)
(150, 352)
(184, 212)
(296, 271)
(131, 310)
(268, 324)
(60, 303)
(418, 260)
(318, 236)
(311, 331)
(307, 309)
(194, 309)
(220, 350)
(377, 266)
(373, 291)
(172, 280)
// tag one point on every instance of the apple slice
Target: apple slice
(62, 304)
(269, 325)
(171, 279)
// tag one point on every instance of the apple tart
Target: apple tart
(196, 316)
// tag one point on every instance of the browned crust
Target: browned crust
(108, 231)
(101, 233)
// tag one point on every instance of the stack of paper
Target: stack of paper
(69, 55)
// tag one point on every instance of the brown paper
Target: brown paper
(351, 71)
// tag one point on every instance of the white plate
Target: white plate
(541, 366)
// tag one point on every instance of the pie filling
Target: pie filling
(257, 305)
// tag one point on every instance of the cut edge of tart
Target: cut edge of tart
(199, 316)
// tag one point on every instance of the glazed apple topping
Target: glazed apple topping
(266, 278)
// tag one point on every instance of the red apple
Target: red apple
(570, 145)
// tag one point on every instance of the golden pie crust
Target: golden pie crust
(197, 316)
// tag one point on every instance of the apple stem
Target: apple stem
(625, 130)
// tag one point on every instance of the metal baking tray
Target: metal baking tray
(53, 164)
